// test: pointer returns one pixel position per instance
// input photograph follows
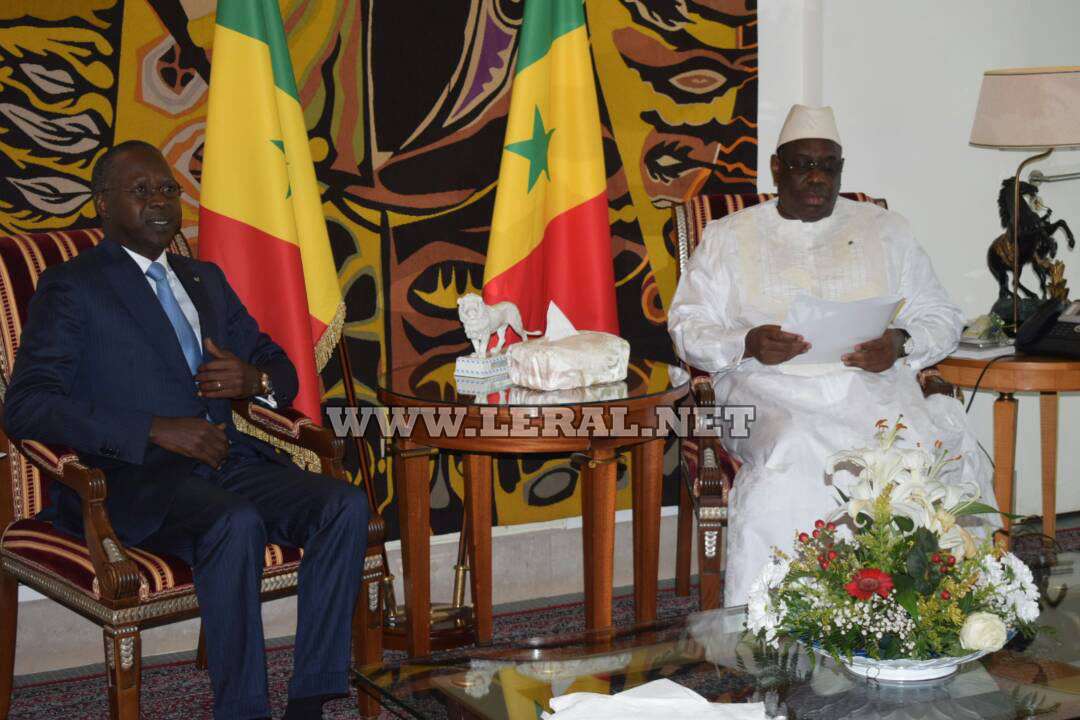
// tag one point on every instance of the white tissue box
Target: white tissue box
(578, 360)
(605, 392)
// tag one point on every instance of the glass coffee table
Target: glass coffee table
(709, 653)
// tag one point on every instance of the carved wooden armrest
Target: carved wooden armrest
(311, 445)
(713, 481)
(710, 481)
(701, 389)
(117, 574)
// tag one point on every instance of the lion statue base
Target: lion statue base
(487, 369)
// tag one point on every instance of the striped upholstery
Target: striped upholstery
(49, 550)
(22, 260)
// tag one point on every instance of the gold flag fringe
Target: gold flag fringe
(301, 456)
(324, 348)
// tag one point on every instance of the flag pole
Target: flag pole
(389, 599)
(350, 400)
(460, 570)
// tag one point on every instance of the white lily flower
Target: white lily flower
(917, 509)
(954, 495)
(958, 541)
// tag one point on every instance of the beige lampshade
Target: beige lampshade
(1028, 108)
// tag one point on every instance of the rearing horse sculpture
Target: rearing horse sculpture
(1037, 244)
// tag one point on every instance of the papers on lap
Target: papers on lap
(835, 328)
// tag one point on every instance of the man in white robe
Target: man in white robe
(725, 319)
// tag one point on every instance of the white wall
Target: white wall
(903, 78)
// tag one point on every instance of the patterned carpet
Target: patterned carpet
(177, 691)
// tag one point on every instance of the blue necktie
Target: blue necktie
(188, 342)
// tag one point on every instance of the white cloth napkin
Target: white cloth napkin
(656, 700)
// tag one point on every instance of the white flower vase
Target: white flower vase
(905, 670)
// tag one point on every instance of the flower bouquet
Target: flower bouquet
(891, 585)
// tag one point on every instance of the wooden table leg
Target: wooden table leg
(1004, 453)
(598, 535)
(414, 507)
(648, 475)
(478, 519)
(1048, 427)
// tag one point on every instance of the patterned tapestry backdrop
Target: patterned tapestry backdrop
(406, 103)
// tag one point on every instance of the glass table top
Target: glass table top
(709, 653)
(436, 383)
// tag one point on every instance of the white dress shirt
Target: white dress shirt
(182, 299)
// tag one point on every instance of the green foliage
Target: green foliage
(892, 591)
(920, 569)
(978, 508)
(906, 597)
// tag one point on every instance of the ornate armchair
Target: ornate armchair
(125, 589)
(707, 469)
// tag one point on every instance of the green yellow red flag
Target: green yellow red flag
(260, 215)
(550, 238)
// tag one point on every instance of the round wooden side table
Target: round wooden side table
(516, 420)
(1014, 374)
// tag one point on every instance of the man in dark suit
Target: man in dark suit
(110, 364)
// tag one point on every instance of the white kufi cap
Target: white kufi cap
(809, 123)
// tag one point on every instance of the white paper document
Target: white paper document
(834, 328)
(657, 700)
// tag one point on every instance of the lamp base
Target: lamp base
(1003, 308)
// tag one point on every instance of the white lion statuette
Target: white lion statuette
(482, 320)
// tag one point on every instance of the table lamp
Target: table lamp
(1027, 109)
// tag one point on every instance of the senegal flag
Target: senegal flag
(550, 238)
(261, 216)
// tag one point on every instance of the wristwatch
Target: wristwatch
(265, 386)
(908, 345)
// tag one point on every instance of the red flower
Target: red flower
(868, 581)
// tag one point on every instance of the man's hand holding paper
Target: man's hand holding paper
(771, 346)
(877, 355)
(854, 333)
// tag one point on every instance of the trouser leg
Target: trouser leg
(328, 518)
(223, 538)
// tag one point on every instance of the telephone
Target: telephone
(1053, 330)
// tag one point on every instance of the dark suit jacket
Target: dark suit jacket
(98, 359)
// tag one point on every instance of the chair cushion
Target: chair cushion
(65, 556)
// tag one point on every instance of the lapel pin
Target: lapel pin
(195, 278)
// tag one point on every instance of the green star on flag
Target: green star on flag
(551, 241)
(535, 149)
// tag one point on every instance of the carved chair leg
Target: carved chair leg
(684, 537)
(200, 651)
(367, 637)
(123, 666)
(9, 620)
(709, 572)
